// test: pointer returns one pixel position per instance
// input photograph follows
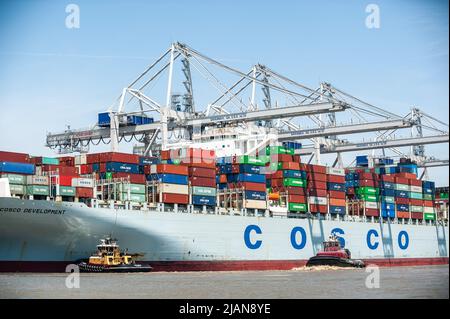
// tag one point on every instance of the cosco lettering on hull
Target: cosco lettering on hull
(253, 238)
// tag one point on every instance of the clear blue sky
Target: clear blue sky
(51, 76)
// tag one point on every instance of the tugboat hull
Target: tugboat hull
(86, 267)
(334, 261)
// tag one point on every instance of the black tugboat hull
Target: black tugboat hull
(334, 261)
(85, 267)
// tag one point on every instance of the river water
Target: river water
(388, 283)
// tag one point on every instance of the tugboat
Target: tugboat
(108, 258)
(333, 254)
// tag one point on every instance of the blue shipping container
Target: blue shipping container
(401, 194)
(387, 185)
(388, 192)
(96, 167)
(294, 174)
(250, 169)
(18, 168)
(104, 119)
(255, 195)
(169, 178)
(245, 177)
(144, 160)
(388, 206)
(403, 207)
(428, 191)
(123, 167)
(203, 200)
(428, 184)
(387, 213)
(336, 187)
(337, 210)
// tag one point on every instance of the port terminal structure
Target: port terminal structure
(247, 112)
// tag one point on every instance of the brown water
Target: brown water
(324, 282)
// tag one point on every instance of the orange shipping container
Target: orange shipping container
(336, 202)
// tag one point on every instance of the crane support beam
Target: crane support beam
(345, 129)
(433, 163)
(267, 114)
(354, 147)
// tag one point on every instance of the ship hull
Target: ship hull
(47, 236)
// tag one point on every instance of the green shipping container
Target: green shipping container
(279, 150)
(388, 199)
(17, 189)
(428, 216)
(134, 188)
(294, 182)
(138, 198)
(109, 175)
(428, 196)
(67, 191)
(297, 207)
(402, 187)
(415, 195)
(15, 179)
(50, 161)
(368, 198)
(366, 190)
(38, 190)
(206, 191)
(443, 195)
(253, 160)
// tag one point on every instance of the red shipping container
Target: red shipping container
(293, 190)
(276, 182)
(134, 178)
(297, 158)
(290, 165)
(102, 168)
(350, 191)
(14, 157)
(281, 158)
(368, 183)
(400, 200)
(337, 202)
(92, 158)
(317, 177)
(402, 214)
(366, 176)
(202, 163)
(371, 212)
(304, 167)
(86, 169)
(84, 192)
(323, 209)
(317, 185)
(203, 181)
(416, 202)
(428, 203)
(165, 155)
(317, 192)
(336, 194)
(401, 180)
(387, 178)
(223, 178)
(276, 175)
(416, 215)
(257, 187)
(415, 182)
(200, 153)
(67, 161)
(63, 170)
(336, 179)
(297, 199)
(202, 172)
(319, 169)
(65, 180)
(407, 175)
(118, 157)
(174, 198)
(167, 169)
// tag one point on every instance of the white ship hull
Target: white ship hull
(46, 236)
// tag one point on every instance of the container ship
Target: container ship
(217, 190)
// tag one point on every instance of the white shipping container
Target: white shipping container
(255, 204)
(371, 205)
(153, 169)
(37, 180)
(82, 182)
(417, 209)
(335, 171)
(428, 210)
(80, 159)
(174, 188)
(416, 189)
(318, 200)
